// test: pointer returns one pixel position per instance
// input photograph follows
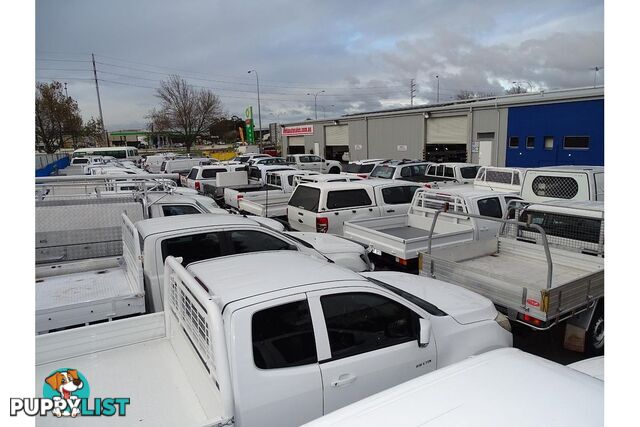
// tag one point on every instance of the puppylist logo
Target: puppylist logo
(65, 393)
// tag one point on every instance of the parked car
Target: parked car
(201, 175)
(464, 394)
(324, 207)
(314, 163)
(406, 170)
(400, 238)
(267, 161)
(577, 183)
(462, 173)
(362, 168)
(183, 166)
(245, 348)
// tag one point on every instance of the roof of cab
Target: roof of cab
(465, 393)
(467, 190)
(358, 184)
(242, 276)
(147, 227)
(570, 168)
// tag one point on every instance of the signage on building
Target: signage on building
(402, 148)
(475, 146)
(298, 130)
(358, 147)
(248, 124)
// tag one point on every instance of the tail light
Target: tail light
(402, 261)
(427, 186)
(531, 320)
(362, 175)
(322, 225)
(197, 185)
(239, 196)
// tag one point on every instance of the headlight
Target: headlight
(503, 321)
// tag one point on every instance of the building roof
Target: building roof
(243, 276)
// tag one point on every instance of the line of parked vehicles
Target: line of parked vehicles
(276, 291)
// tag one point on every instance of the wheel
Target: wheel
(595, 333)
(334, 170)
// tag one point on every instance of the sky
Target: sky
(362, 54)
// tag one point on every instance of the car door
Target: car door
(367, 342)
(316, 164)
(489, 207)
(275, 358)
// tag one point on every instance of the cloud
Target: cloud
(361, 53)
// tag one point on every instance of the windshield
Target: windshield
(426, 306)
(383, 171)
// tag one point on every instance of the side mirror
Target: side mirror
(425, 332)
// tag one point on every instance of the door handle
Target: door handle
(391, 210)
(300, 221)
(300, 213)
(343, 380)
(484, 228)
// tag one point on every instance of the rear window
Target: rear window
(490, 207)
(80, 161)
(385, 172)
(469, 172)
(211, 173)
(398, 195)
(193, 174)
(163, 166)
(306, 198)
(560, 187)
(347, 199)
(565, 226)
(356, 168)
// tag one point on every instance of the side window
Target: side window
(432, 170)
(193, 174)
(398, 195)
(171, 210)
(315, 159)
(360, 322)
(440, 171)
(448, 172)
(347, 199)
(511, 206)
(304, 159)
(193, 248)
(405, 172)
(245, 241)
(283, 336)
(490, 207)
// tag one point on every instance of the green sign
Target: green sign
(248, 125)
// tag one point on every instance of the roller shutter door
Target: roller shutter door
(336, 135)
(296, 141)
(447, 130)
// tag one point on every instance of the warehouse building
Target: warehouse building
(556, 127)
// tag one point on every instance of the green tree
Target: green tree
(57, 117)
(184, 111)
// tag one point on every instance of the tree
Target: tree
(226, 129)
(57, 117)
(184, 112)
(93, 131)
(468, 94)
(515, 90)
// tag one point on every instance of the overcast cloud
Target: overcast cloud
(361, 53)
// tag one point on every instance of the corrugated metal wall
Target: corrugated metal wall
(447, 130)
(399, 137)
(336, 135)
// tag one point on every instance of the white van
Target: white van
(324, 207)
(183, 165)
(577, 183)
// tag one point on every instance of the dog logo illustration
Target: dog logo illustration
(68, 385)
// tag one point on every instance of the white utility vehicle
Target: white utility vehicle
(255, 186)
(464, 394)
(314, 163)
(401, 238)
(76, 293)
(234, 346)
(201, 175)
(533, 283)
(183, 165)
(406, 170)
(270, 201)
(496, 178)
(153, 162)
(462, 173)
(362, 168)
(577, 183)
(324, 207)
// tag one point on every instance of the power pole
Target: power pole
(595, 75)
(438, 90)
(95, 78)
(65, 90)
(412, 87)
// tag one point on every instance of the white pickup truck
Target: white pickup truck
(496, 178)
(91, 290)
(400, 238)
(234, 346)
(314, 163)
(325, 206)
(201, 175)
(462, 173)
(464, 394)
(576, 183)
(533, 283)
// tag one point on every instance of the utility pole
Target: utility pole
(595, 75)
(315, 102)
(412, 87)
(65, 90)
(95, 78)
(438, 90)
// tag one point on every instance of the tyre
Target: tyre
(595, 333)
(334, 170)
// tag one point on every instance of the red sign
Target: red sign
(298, 130)
(533, 302)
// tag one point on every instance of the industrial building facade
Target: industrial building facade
(560, 127)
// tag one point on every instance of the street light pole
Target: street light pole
(438, 89)
(259, 113)
(315, 102)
